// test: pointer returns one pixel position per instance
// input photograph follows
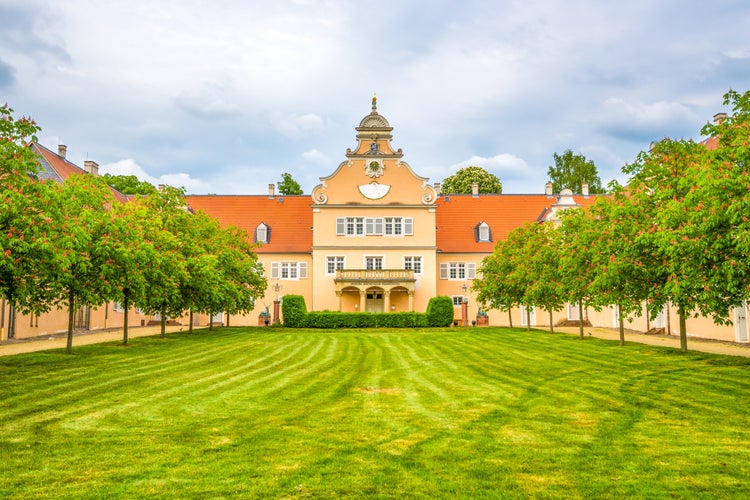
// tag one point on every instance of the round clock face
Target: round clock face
(374, 169)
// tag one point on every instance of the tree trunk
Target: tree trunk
(683, 329)
(71, 320)
(190, 328)
(622, 330)
(126, 306)
(163, 323)
(227, 320)
(11, 320)
(510, 317)
(528, 319)
(580, 319)
(210, 321)
(551, 326)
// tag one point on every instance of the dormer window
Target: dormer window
(482, 232)
(262, 233)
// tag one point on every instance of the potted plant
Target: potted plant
(264, 318)
(482, 318)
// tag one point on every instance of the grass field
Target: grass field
(480, 413)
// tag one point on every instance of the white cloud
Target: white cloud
(503, 162)
(315, 156)
(130, 167)
(295, 126)
(639, 119)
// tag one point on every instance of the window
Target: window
(482, 232)
(374, 226)
(354, 225)
(393, 225)
(262, 233)
(373, 262)
(414, 263)
(289, 270)
(333, 264)
(458, 300)
(458, 270)
(117, 307)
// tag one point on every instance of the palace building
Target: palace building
(376, 236)
(373, 236)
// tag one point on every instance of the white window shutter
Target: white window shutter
(444, 271)
(303, 270)
(340, 225)
(408, 226)
(471, 270)
(275, 270)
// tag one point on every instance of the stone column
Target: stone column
(276, 319)
(362, 301)
(386, 301)
(411, 300)
(465, 312)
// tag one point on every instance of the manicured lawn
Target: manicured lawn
(481, 413)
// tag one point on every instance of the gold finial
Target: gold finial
(374, 102)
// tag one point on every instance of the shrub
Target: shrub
(294, 311)
(335, 319)
(440, 311)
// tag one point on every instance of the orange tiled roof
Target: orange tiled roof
(458, 215)
(289, 217)
(57, 168)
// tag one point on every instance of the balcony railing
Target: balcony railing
(361, 275)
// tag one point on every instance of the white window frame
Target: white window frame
(261, 233)
(458, 271)
(374, 226)
(484, 232)
(117, 307)
(289, 270)
(334, 263)
(413, 262)
(380, 259)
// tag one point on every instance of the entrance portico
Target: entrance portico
(375, 290)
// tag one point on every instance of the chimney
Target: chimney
(437, 187)
(719, 118)
(62, 149)
(271, 189)
(548, 189)
(585, 190)
(475, 189)
(91, 167)
(160, 187)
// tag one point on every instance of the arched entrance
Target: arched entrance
(385, 290)
(374, 300)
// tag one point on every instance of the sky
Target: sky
(223, 96)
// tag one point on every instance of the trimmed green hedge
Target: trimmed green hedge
(439, 313)
(294, 310)
(335, 319)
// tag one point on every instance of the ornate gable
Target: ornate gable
(374, 173)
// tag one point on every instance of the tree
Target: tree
(288, 185)
(80, 204)
(125, 254)
(129, 184)
(571, 171)
(461, 181)
(26, 246)
(541, 259)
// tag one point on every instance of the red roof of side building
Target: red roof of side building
(289, 217)
(458, 215)
(57, 168)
